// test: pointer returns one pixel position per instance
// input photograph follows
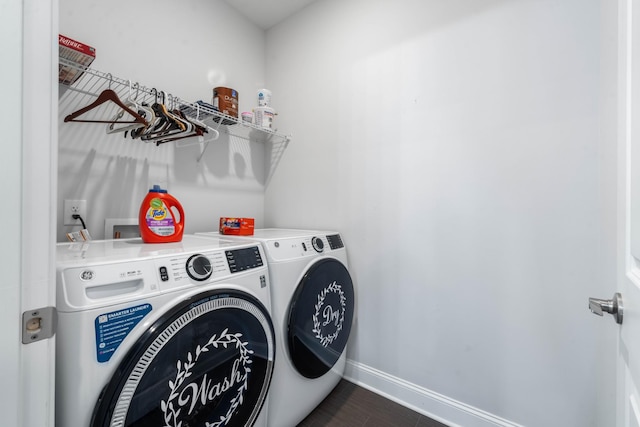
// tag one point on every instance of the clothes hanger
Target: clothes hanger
(187, 111)
(133, 105)
(204, 128)
(107, 95)
(196, 131)
(157, 121)
(147, 112)
(176, 115)
(152, 119)
(166, 126)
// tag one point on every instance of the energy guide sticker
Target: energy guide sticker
(112, 328)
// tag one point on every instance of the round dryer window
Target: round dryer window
(207, 363)
(320, 317)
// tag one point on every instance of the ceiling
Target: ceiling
(267, 13)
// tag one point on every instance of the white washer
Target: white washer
(312, 297)
(166, 334)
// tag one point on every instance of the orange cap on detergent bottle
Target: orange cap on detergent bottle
(157, 220)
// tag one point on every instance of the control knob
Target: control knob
(199, 267)
(317, 244)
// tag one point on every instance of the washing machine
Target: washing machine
(312, 297)
(163, 335)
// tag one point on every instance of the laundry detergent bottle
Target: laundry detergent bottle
(158, 221)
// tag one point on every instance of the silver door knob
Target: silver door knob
(611, 306)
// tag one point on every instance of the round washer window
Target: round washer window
(320, 317)
(206, 363)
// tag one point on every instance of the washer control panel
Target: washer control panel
(201, 267)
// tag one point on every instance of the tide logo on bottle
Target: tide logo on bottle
(158, 211)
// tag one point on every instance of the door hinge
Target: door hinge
(39, 324)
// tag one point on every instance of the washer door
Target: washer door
(207, 362)
(320, 317)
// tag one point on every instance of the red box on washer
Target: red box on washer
(237, 226)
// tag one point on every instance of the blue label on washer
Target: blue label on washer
(112, 328)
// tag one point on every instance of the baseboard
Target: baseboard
(429, 403)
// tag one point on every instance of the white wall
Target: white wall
(458, 147)
(185, 48)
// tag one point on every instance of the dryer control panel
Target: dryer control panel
(335, 241)
(298, 247)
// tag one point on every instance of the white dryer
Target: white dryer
(173, 334)
(312, 300)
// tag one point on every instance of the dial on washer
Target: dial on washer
(199, 267)
(317, 244)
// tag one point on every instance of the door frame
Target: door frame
(628, 345)
(34, 33)
(11, 171)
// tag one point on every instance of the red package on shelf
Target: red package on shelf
(77, 53)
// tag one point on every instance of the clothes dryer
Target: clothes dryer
(312, 296)
(170, 335)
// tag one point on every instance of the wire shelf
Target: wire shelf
(93, 82)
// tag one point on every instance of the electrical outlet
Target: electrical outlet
(74, 207)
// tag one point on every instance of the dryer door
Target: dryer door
(320, 317)
(207, 362)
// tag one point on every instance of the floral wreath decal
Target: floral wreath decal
(184, 371)
(326, 340)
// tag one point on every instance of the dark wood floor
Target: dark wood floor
(352, 406)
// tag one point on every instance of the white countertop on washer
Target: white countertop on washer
(135, 249)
